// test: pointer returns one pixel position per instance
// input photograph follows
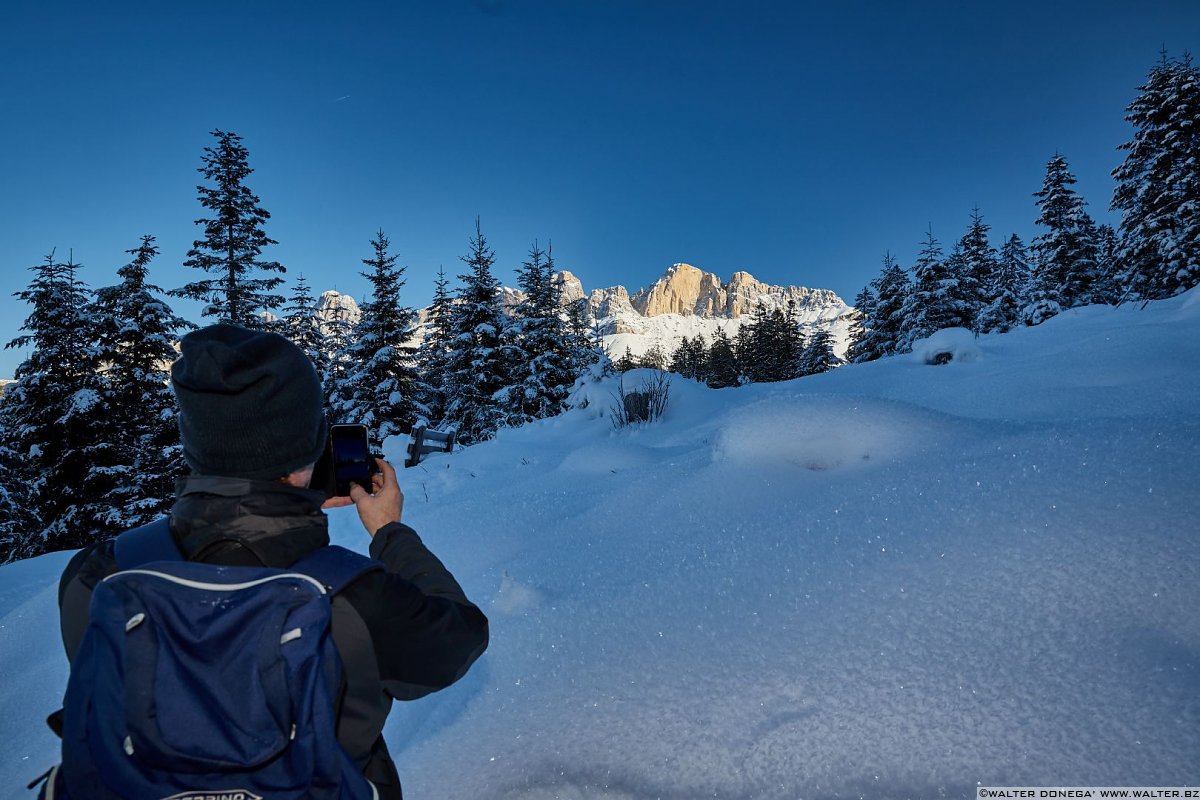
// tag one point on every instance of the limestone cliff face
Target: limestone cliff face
(683, 290)
(610, 302)
(337, 307)
(745, 293)
(571, 287)
(686, 290)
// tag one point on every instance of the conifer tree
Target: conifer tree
(1065, 255)
(541, 377)
(338, 328)
(864, 309)
(138, 332)
(18, 511)
(689, 358)
(937, 300)
(1008, 289)
(626, 362)
(1158, 185)
(583, 338)
(1109, 284)
(885, 328)
(818, 354)
(435, 347)
(978, 267)
(653, 358)
(722, 362)
(381, 383)
(743, 348)
(475, 366)
(757, 351)
(52, 414)
(679, 361)
(302, 326)
(775, 346)
(242, 286)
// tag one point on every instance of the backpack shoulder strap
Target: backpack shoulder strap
(336, 567)
(149, 542)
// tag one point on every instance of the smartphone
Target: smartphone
(347, 460)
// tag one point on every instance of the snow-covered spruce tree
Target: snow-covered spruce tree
(689, 359)
(818, 354)
(18, 513)
(338, 328)
(1158, 185)
(722, 362)
(755, 347)
(775, 346)
(979, 264)
(541, 375)
(937, 299)
(432, 355)
(1065, 255)
(242, 286)
(626, 362)
(653, 358)
(1009, 288)
(864, 307)
(743, 350)
(475, 366)
(302, 326)
(583, 338)
(1109, 286)
(883, 328)
(53, 413)
(382, 387)
(137, 335)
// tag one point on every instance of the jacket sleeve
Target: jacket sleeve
(425, 632)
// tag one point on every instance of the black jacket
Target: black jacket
(402, 632)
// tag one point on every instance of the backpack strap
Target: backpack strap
(149, 542)
(336, 567)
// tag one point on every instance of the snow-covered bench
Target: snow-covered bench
(425, 440)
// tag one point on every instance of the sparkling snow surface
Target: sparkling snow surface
(893, 580)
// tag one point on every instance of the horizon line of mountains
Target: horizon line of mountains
(683, 290)
(651, 315)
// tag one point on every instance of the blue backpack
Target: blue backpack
(202, 682)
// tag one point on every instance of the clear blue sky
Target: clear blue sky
(795, 140)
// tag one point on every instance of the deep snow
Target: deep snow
(893, 580)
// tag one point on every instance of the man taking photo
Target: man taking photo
(252, 425)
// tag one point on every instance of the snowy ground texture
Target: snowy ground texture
(895, 580)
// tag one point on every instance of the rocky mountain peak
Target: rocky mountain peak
(572, 287)
(686, 290)
(334, 306)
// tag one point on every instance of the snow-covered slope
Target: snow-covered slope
(892, 580)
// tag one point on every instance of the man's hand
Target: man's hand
(384, 505)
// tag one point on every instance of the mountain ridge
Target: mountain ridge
(687, 302)
(684, 302)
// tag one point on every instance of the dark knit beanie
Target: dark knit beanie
(250, 403)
